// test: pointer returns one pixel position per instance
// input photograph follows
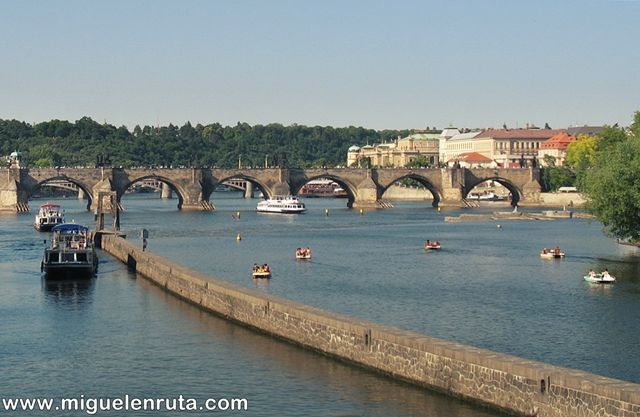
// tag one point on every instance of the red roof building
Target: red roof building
(472, 160)
(507, 147)
(555, 147)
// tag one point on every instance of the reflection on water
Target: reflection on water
(261, 283)
(117, 334)
(69, 291)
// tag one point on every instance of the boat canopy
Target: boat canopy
(49, 205)
(70, 228)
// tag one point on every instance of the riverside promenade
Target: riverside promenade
(519, 386)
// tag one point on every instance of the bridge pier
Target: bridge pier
(80, 194)
(12, 197)
(9, 196)
(248, 191)
(103, 186)
(191, 198)
(368, 193)
(452, 188)
(281, 188)
(166, 193)
(531, 192)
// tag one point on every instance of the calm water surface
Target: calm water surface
(117, 335)
(487, 287)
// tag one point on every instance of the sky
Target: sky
(378, 64)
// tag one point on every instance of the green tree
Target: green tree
(612, 185)
(44, 163)
(581, 153)
(419, 161)
(555, 177)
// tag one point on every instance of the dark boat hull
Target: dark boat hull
(70, 264)
(44, 227)
(58, 271)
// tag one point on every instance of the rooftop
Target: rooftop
(472, 158)
(519, 133)
(560, 141)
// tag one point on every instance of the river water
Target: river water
(117, 334)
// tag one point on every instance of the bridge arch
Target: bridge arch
(516, 193)
(266, 191)
(346, 185)
(435, 192)
(175, 188)
(60, 178)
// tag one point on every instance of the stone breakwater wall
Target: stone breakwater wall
(520, 386)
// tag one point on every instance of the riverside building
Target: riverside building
(399, 152)
(509, 148)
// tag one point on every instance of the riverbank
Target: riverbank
(502, 381)
(569, 200)
(557, 199)
(520, 215)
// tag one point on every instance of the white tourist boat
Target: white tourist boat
(71, 253)
(49, 215)
(281, 204)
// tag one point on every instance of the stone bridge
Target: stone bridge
(194, 186)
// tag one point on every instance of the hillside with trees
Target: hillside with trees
(81, 143)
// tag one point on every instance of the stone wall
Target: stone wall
(567, 200)
(501, 381)
(397, 193)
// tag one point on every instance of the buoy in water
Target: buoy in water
(439, 209)
(326, 212)
(237, 214)
(499, 226)
(238, 238)
(361, 211)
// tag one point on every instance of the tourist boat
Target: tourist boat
(322, 188)
(486, 196)
(71, 253)
(432, 245)
(281, 204)
(303, 253)
(551, 253)
(600, 278)
(318, 188)
(49, 215)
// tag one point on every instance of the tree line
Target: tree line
(86, 142)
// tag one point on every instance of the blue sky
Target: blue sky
(377, 64)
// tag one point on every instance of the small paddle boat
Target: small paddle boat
(552, 253)
(432, 245)
(603, 278)
(261, 271)
(303, 253)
